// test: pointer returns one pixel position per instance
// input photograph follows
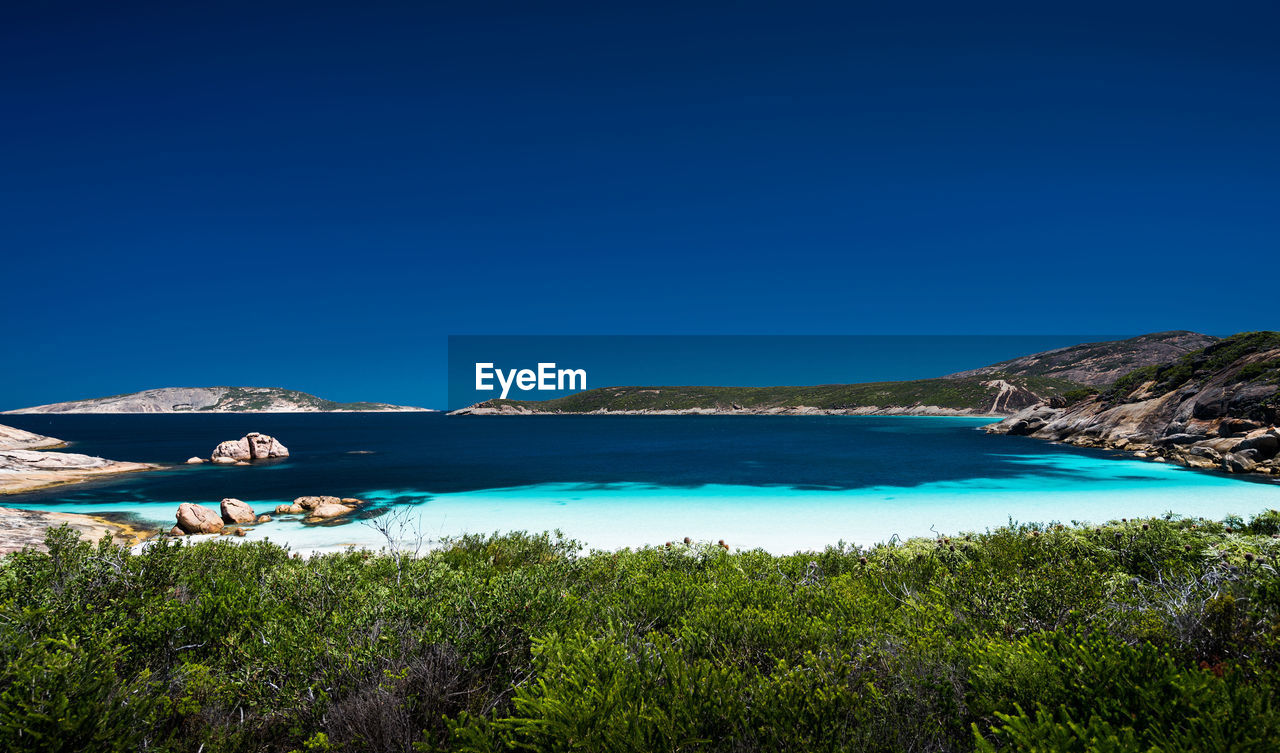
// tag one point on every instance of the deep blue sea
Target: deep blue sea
(781, 483)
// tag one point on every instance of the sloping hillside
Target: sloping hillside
(961, 396)
(999, 389)
(1098, 364)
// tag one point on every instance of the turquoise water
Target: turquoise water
(784, 484)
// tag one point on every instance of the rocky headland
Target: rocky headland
(23, 468)
(18, 439)
(26, 464)
(1216, 408)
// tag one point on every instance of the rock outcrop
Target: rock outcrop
(18, 439)
(1214, 408)
(26, 529)
(24, 470)
(250, 447)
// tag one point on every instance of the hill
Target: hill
(998, 389)
(212, 400)
(945, 396)
(1098, 364)
(1216, 407)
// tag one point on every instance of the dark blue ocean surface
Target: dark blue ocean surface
(578, 472)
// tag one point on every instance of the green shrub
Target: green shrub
(1089, 692)
(1035, 636)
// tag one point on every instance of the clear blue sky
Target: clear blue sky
(314, 195)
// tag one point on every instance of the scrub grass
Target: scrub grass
(1140, 635)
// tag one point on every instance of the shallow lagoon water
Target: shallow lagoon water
(779, 483)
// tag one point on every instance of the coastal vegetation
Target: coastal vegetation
(1063, 375)
(1137, 635)
(975, 394)
(1256, 354)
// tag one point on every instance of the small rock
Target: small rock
(177, 531)
(223, 461)
(264, 519)
(236, 511)
(283, 509)
(351, 501)
(240, 532)
(241, 462)
(195, 461)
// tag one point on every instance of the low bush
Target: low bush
(1154, 634)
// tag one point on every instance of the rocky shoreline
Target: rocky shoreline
(27, 465)
(1215, 409)
(1256, 451)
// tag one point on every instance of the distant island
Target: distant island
(1056, 376)
(215, 400)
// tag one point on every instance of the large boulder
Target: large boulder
(328, 510)
(1266, 443)
(236, 511)
(264, 447)
(198, 519)
(233, 450)
(252, 446)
